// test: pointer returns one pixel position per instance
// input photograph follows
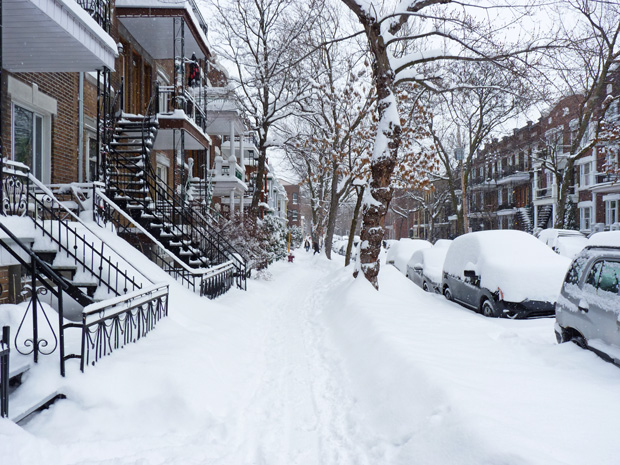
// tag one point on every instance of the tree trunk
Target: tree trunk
(356, 214)
(260, 174)
(333, 211)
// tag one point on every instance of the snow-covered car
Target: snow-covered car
(503, 273)
(426, 265)
(588, 309)
(401, 251)
(339, 246)
(563, 241)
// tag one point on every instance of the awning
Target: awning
(53, 36)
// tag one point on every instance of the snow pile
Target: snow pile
(401, 251)
(513, 261)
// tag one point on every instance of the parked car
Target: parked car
(503, 273)
(426, 265)
(566, 242)
(401, 251)
(588, 309)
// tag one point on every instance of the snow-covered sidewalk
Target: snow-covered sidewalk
(313, 367)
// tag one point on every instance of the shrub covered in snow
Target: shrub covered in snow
(260, 243)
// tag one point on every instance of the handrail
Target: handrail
(95, 254)
(201, 273)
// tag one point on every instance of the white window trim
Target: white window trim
(29, 97)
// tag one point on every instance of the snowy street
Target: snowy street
(314, 367)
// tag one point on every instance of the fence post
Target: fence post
(4, 374)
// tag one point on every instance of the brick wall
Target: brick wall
(64, 88)
(4, 282)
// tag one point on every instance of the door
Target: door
(136, 84)
(604, 308)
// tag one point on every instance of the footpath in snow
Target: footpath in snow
(314, 367)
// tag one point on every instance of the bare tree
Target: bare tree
(585, 67)
(262, 39)
(482, 99)
(458, 37)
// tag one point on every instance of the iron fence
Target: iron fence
(114, 323)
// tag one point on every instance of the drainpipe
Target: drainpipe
(81, 128)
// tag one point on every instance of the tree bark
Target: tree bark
(356, 213)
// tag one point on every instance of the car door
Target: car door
(470, 288)
(603, 309)
(584, 299)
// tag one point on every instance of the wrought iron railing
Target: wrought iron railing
(28, 196)
(193, 104)
(207, 281)
(114, 323)
(43, 280)
(4, 371)
(99, 10)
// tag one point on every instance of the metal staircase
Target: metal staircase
(544, 213)
(167, 215)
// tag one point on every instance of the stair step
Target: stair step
(24, 403)
(18, 365)
(66, 271)
(47, 255)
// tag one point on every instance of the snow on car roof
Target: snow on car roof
(605, 239)
(400, 252)
(513, 261)
(431, 260)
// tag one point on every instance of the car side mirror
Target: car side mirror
(471, 274)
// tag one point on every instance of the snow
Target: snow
(401, 251)
(606, 238)
(513, 261)
(431, 260)
(563, 241)
(314, 367)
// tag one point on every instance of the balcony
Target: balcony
(66, 38)
(607, 178)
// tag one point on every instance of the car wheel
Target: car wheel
(448, 293)
(488, 309)
(580, 341)
(425, 287)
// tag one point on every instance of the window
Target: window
(586, 218)
(586, 176)
(594, 274)
(92, 159)
(609, 280)
(294, 215)
(162, 175)
(574, 274)
(295, 199)
(28, 139)
(611, 211)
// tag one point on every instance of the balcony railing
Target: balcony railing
(606, 177)
(99, 10)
